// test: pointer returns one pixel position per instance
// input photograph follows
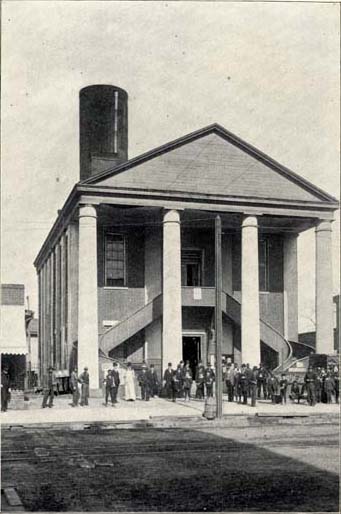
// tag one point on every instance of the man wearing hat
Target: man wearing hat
(154, 382)
(209, 380)
(5, 389)
(310, 380)
(145, 383)
(200, 380)
(243, 384)
(168, 382)
(74, 387)
(84, 380)
(49, 387)
(253, 385)
(115, 375)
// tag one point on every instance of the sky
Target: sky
(268, 72)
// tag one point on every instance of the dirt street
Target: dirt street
(260, 468)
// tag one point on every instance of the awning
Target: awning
(13, 351)
(12, 330)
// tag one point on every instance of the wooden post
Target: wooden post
(218, 317)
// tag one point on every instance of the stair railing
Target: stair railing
(274, 330)
(128, 320)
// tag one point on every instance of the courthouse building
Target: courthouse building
(128, 268)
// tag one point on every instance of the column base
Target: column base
(96, 393)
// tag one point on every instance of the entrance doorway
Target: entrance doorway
(191, 351)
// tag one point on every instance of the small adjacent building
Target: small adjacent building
(13, 344)
(127, 271)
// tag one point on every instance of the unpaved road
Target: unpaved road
(260, 468)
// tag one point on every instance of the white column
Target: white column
(87, 297)
(250, 293)
(290, 287)
(172, 322)
(324, 289)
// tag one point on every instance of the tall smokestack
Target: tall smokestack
(103, 128)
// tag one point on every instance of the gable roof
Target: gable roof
(212, 161)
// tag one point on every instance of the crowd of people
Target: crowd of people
(177, 382)
(317, 386)
(147, 379)
(320, 385)
(241, 384)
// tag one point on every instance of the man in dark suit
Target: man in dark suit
(49, 387)
(178, 378)
(248, 373)
(115, 383)
(261, 382)
(84, 380)
(230, 381)
(243, 384)
(337, 383)
(168, 382)
(253, 385)
(310, 380)
(200, 380)
(108, 381)
(74, 387)
(5, 389)
(145, 383)
(209, 380)
(154, 382)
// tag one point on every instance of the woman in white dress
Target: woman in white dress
(129, 383)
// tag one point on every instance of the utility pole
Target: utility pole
(218, 317)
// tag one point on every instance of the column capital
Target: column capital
(249, 221)
(324, 226)
(87, 211)
(171, 216)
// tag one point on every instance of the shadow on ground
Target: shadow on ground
(159, 470)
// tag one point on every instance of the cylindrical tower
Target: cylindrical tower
(103, 128)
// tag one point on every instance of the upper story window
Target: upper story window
(191, 267)
(263, 249)
(115, 266)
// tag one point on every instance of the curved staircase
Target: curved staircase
(231, 307)
(299, 358)
(128, 327)
(268, 334)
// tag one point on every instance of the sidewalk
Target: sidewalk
(155, 409)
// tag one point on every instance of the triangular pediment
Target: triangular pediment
(212, 162)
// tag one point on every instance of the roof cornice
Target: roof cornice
(232, 138)
(107, 191)
(98, 193)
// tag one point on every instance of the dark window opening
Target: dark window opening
(115, 269)
(191, 268)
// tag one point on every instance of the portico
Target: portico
(176, 227)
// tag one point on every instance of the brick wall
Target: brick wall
(12, 294)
